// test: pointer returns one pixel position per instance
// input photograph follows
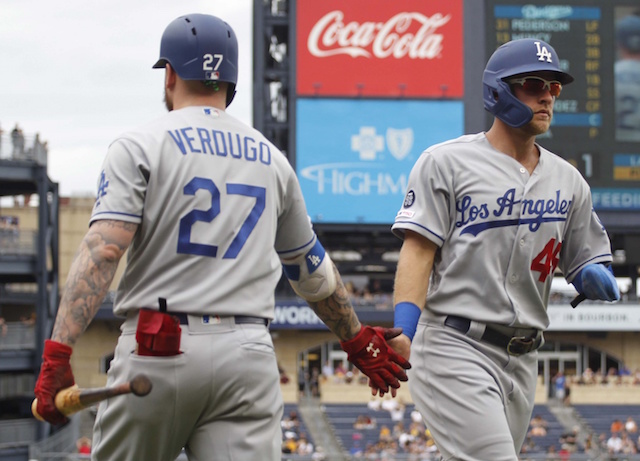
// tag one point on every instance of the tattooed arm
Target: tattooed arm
(337, 312)
(90, 276)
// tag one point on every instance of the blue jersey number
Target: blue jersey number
(185, 246)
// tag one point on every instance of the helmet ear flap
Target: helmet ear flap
(507, 107)
(231, 93)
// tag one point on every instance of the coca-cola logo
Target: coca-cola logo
(395, 38)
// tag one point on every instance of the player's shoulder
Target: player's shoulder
(453, 150)
(456, 144)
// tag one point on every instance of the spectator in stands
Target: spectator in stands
(614, 444)
(616, 426)
(284, 378)
(529, 446)
(552, 453)
(628, 445)
(303, 379)
(389, 404)
(340, 372)
(327, 370)
(314, 382)
(305, 447)
(538, 426)
(290, 422)
(630, 425)
(364, 422)
(290, 444)
(587, 377)
(374, 404)
(564, 453)
(416, 417)
(318, 454)
(356, 449)
(3, 326)
(602, 441)
(83, 445)
(559, 384)
(613, 377)
(397, 413)
(17, 138)
(590, 447)
(570, 439)
(385, 433)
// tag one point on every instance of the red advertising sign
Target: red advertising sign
(379, 48)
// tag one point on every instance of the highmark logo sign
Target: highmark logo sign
(370, 176)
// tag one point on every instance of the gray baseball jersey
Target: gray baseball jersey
(217, 204)
(501, 231)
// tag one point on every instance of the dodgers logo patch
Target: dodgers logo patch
(409, 199)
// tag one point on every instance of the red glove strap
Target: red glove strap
(357, 342)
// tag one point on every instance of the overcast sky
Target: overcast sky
(79, 73)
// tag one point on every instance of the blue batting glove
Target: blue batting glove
(596, 281)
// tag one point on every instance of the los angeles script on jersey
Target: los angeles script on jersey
(531, 212)
(197, 140)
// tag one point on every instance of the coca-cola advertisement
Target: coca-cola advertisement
(380, 48)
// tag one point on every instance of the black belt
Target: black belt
(515, 345)
(239, 319)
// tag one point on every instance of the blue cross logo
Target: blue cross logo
(102, 187)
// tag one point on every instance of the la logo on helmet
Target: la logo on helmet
(543, 53)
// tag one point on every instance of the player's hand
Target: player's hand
(55, 374)
(402, 345)
(370, 352)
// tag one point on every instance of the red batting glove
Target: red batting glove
(55, 374)
(369, 351)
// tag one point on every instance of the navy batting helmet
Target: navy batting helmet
(515, 58)
(628, 33)
(201, 47)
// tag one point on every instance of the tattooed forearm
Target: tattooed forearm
(90, 276)
(337, 312)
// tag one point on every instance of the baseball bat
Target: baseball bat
(74, 398)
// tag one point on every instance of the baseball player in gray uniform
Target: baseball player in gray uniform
(486, 220)
(210, 212)
(627, 78)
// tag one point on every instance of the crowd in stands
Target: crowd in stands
(613, 377)
(394, 436)
(295, 440)
(22, 148)
(623, 437)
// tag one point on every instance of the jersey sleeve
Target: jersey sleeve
(295, 233)
(122, 184)
(427, 205)
(586, 240)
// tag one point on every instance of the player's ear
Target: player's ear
(169, 77)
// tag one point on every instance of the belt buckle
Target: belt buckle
(523, 343)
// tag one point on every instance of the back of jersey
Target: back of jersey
(214, 201)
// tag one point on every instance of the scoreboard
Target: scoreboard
(587, 122)
(585, 116)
